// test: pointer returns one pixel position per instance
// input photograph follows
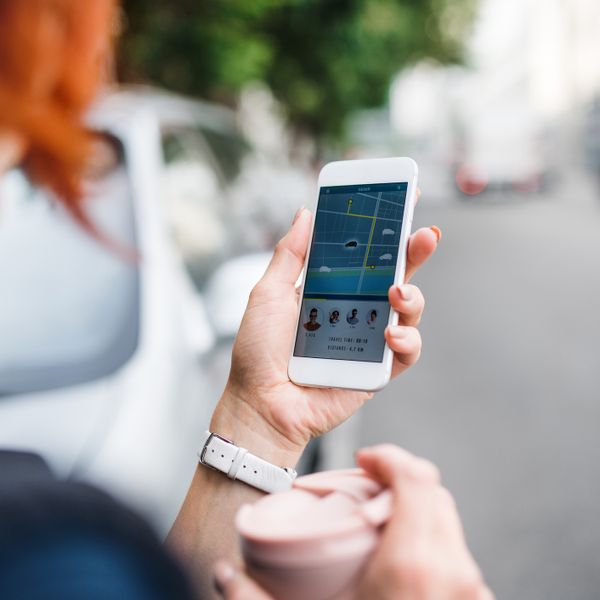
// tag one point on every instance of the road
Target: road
(506, 396)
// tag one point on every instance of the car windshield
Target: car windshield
(229, 150)
(68, 304)
(197, 206)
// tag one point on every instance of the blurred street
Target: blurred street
(505, 396)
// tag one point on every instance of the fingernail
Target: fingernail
(357, 452)
(437, 231)
(397, 331)
(405, 292)
(223, 574)
(298, 213)
(361, 451)
(378, 510)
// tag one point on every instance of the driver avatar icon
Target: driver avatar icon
(352, 316)
(334, 316)
(372, 317)
(312, 324)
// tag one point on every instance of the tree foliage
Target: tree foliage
(321, 58)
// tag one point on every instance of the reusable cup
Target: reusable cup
(312, 542)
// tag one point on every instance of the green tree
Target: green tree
(321, 58)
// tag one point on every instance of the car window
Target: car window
(229, 150)
(196, 204)
(69, 306)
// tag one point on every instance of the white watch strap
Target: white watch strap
(223, 455)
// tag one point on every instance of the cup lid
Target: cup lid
(320, 506)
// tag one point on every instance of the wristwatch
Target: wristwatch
(221, 454)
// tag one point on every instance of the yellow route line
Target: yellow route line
(368, 251)
(354, 214)
(373, 218)
(361, 216)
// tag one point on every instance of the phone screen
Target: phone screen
(351, 266)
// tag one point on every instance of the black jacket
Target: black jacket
(68, 540)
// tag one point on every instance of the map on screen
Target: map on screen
(356, 240)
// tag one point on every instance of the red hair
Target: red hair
(53, 56)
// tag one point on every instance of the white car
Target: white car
(101, 366)
(110, 368)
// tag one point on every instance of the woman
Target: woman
(53, 56)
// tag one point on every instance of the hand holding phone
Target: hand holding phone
(360, 236)
(261, 408)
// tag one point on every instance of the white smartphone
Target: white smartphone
(358, 250)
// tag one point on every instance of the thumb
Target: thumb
(235, 585)
(391, 465)
(288, 258)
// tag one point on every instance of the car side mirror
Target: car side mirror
(227, 291)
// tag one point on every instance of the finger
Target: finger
(235, 585)
(486, 594)
(408, 301)
(421, 246)
(390, 465)
(288, 258)
(406, 344)
(449, 525)
(413, 482)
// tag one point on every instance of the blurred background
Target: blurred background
(224, 114)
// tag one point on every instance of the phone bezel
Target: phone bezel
(350, 374)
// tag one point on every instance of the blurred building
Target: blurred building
(562, 53)
(543, 50)
(530, 75)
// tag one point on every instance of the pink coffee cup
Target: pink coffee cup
(312, 542)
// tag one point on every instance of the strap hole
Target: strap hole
(244, 466)
(222, 456)
(255, 471)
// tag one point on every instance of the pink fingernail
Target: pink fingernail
(362, 450)
(223, 574)
(398, 331)
(298, 213)
(379, 509)
(405, 292)
(437, 231)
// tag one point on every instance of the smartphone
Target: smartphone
(358, 247)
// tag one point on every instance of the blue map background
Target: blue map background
(356, 239)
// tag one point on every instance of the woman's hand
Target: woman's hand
(422, 554)
(260, 396)
(263, 411)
